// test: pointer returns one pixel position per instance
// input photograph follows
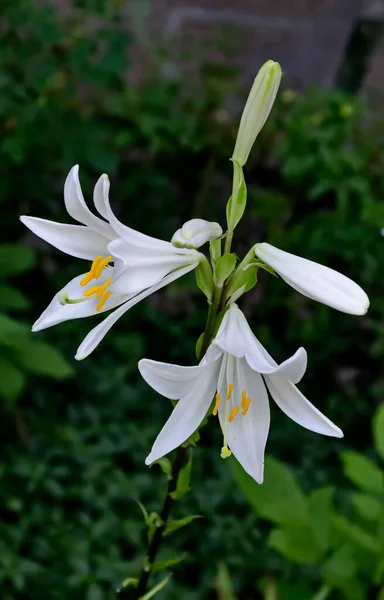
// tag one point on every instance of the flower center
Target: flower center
(97, 291)
(230, 414)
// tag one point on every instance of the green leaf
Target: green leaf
(223, 583)
(215, 249)
(341, 567)
(297, 544)
(10, 297)
(378, 430)
(182, 485)
(223, 268)
(368, 506)
(204, 279)
(237, 202)
(15, 259)
(165, 465)
(156, 589)
(129, 581)
(279, 498)
(10, 327)
(179, 523)
(363, 472)
(198, 346)
(43, 359)
(356, 534)
(12, 380)
(160, 565)
(320, 510)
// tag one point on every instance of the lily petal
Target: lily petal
(100, 192)
(247, 434)
(77, 208)
(171, 381)
(236, 337)
(187, 415)
(140, 268)
(95, 336)
(57, 313)
(296, 406)
(75, 240)
(315, 281)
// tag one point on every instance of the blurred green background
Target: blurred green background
(75, 435)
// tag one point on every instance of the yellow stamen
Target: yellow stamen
(217, 404)
(246, 406)
(229, 391)
(243, 398)
(99, 268)
(103, 300)
(89, 276)
(98, 289)
(233, 414)
(225, 452)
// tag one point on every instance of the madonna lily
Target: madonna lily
(236, 372)
(315, 281)
(141, 264)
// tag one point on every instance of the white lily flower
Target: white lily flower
(237, 371)
(195, 233)
(315, 281)
(141, 264)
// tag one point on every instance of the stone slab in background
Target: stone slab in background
(307, 36)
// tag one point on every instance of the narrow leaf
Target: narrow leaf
(224, 268)
(179, 523)
(182, 486)
(165, 465)
(156, 589)
(160, 565)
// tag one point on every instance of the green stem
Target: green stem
(211, 320)
(228, 242)
(154, 544)
(323, 593)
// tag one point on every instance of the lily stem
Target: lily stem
(211, 320)
(157, 538)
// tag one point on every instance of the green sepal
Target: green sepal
(204, 278)
(261, 265)
(160, 565)
(223, 268)
(182, 485)
(237, 202)
(198, 346)
(179, 523)
(156, 589)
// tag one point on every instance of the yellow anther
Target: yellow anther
(243, 398)
(99, 268)
(225, 452)
(233, 414)
(103, 300)
(246, 406)
(91, 274)
(217, 404)
(229, 391)
(98, 289)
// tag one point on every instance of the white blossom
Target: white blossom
(236, 373)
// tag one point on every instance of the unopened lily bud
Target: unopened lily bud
(195, 233)
(315, 281)
(257, 109)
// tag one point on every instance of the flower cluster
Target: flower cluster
(235, 373)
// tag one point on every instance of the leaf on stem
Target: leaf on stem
(182, 485)
(179, 523)
(156, 589)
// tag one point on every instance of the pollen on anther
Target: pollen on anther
(91, 274)
(229, 391)
(233, 414)
(245, 407)
(103, 300)
(243, 398)
(217, 404)
(100, 266)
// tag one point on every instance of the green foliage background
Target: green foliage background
(72, 460)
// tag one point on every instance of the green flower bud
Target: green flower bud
(257, 109)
